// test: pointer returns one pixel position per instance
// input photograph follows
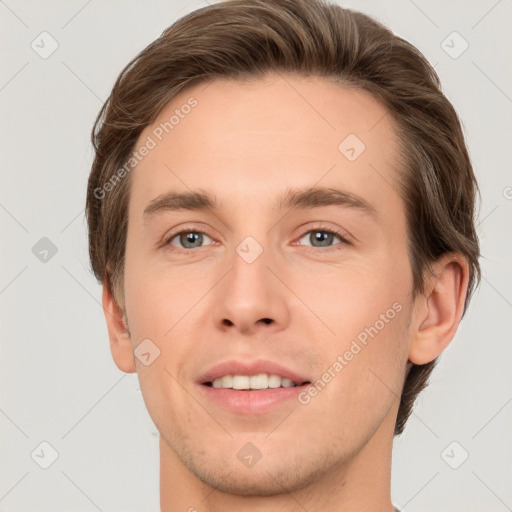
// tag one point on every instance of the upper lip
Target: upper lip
(249, 368)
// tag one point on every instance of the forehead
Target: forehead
(248, 140)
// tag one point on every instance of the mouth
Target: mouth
(259, 382)
(251, 388)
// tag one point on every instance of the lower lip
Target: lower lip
(251, 401)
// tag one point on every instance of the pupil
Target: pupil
(323, 237)
(320, 236)
(191, 237)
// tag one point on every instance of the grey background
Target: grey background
(58, 382)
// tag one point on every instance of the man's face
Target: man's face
(297, 286)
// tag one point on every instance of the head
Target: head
(243, 101)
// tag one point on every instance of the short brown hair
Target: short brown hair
(249, 38)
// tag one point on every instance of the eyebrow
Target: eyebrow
(292, 198)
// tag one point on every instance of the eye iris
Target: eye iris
(190, 237)
(323, 237)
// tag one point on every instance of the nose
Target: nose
(251, 297)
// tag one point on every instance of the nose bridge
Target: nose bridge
(250, 295)
(252, 240)
(249, 279)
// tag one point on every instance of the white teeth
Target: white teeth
(287, 383)
(240, 382)
(227, 381)
(274, 381)
(261, 381)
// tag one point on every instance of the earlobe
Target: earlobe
(119, 336)
(437, 313)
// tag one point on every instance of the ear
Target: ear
(437, 313)
(120, 342)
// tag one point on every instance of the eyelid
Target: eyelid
(345, 237)
(192, 229)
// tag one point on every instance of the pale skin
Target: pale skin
(246, 143)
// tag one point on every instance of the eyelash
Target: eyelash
(330, 231)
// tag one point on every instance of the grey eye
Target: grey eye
(321, 237)
(189, 239)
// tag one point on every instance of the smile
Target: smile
(253, 382)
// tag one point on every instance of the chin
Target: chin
(270, 475)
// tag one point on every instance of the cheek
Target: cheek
(369, 366)
(376, 337)
(156, 296)
(367, 311)
(354, 297)
(154, 308)
(162, 307)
